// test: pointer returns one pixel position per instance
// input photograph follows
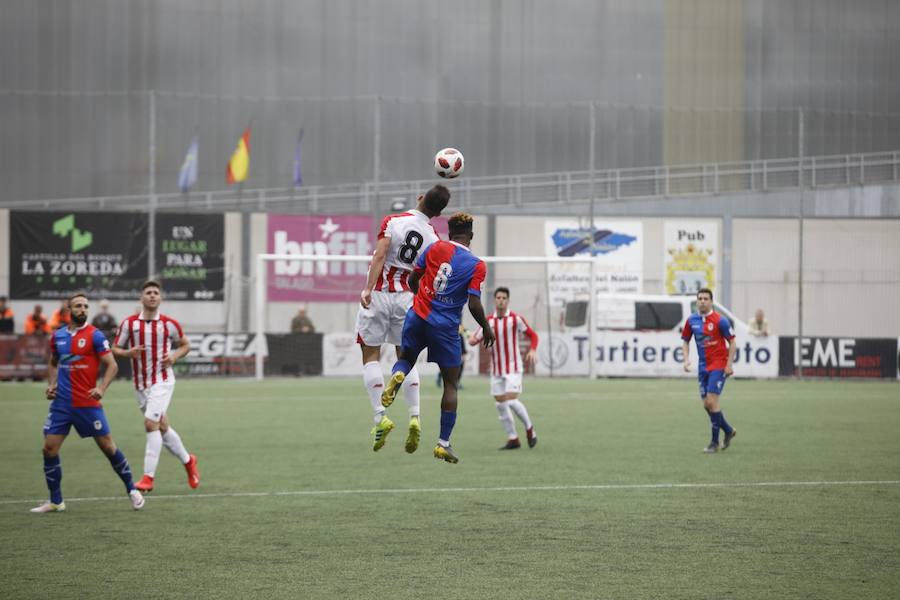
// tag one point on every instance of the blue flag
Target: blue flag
(298, 177)
(187, 177)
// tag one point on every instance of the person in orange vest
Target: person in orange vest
(36, 322)
(61, 317)
(7, 322)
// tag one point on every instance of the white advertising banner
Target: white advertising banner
(691, 255)
(618, 247)
(341, 356)
(645, 354)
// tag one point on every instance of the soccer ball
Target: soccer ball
(449, 163)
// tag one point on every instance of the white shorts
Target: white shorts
(154, 401)
(506, 384)
(382, 322)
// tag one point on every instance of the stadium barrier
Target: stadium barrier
(839, 357)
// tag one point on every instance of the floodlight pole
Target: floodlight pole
(151, 228)
(799, 358)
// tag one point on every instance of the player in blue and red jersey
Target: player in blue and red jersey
(76, 352)
(715, 349)
(445, 278)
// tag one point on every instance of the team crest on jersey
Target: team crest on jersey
(82, 342)
(709, 326)
(98, 425)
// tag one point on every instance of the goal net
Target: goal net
(305, 307)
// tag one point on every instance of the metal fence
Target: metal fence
(513, 193)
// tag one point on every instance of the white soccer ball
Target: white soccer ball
(449, 163)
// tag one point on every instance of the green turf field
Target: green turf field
(294, 503)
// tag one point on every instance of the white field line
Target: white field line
(457, 490)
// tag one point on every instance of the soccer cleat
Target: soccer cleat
(137, 499)
(381, 432)
(193, 474)
(728, 438)
(711, 449)
(532, 437)
(145, 484)
(48, 507)
(511, 444)
(446, 453)
(412, 438)
(390, 390)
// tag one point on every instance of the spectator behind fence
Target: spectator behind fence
(36, 322)
(759, 326)
(301, 322)
(61, 316)
(104, 321)
(7, 323)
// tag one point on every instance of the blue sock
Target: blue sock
(53, 475)
(402, 365)
(448, 420)
(724, 424)
(122, 468)
(714, 419)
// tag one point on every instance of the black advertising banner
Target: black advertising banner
(838, 357)
(53, 255)
(190, 255)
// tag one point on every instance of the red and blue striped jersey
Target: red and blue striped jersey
(78, 358)
(711, 333)
(451, 273)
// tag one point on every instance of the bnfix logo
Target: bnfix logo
(80, 239)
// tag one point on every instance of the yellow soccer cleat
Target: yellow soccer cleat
(412, 438)
(390, 390)
(446, 453)
(381, 432)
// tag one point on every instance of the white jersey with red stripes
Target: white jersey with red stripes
(157, 335)
(410, 233)
(505, 356)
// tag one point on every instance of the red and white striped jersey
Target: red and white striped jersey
(505, 356)
(410, 233)
(157, 336)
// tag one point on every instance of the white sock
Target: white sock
(506, 419)
(151, 453)
(521, 412)
(172, 441)
(411, 392)
(373, 379)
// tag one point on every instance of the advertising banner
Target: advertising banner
(53, 255)
(24, 356)
(691, 251)
(618, 247)
(190, 255)
(645, 354)
(220, 354)
(341, 356)
(839, 357)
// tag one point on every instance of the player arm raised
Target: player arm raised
(375, 269)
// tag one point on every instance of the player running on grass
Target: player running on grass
(507, 367)
(714, 363)
(76, 352)
(147, 338)
(446, 274)
(385, 301)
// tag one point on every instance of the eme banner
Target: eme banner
(617, 246)
(190, 255)
(691, 256)
(838, 357)
(53, 255)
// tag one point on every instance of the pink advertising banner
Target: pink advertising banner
(324, 235)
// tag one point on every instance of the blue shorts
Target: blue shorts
(442, 342)
(88, 422)
(712, 382)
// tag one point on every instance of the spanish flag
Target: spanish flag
(239, 164)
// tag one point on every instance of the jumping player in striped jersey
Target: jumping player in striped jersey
(76, 352)
(507, 367)
(715, 357)
(147, 338)
(446, 277)
(385, 300)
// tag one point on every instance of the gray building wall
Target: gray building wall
(507, 81)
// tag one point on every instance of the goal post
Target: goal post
(542, 289)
